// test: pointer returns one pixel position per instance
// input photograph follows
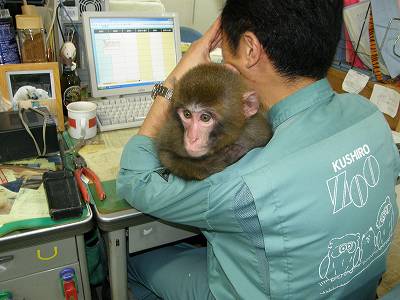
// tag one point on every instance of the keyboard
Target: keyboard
(119, 113)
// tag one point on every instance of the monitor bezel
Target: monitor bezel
(86, 16)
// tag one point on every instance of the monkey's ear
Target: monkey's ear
(250, 104)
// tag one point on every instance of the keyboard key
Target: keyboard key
(124, 112)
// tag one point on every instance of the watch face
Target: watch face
(169, 94)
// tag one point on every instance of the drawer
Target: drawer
(29, 260)
(42, 285)
(156, 233)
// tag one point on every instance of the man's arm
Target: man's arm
(148, 187)
(142, 181)
(198, 53)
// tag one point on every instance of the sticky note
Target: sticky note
(354, 82)
(386, 99)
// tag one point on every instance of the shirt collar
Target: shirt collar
(316, 92)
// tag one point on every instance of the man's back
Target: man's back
(324, 197)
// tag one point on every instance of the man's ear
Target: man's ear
(253, 48)
(250, 104)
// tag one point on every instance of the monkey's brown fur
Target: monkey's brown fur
(221, 90)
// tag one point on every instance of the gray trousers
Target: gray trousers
(172, 272)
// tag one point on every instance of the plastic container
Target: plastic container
(31, 38)
(8, 44)
(68, 284)
(62, 194)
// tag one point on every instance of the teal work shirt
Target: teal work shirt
(309, 216)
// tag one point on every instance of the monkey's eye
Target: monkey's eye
(205, 117)
(187, 114)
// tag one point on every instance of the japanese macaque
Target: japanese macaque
(213, 121)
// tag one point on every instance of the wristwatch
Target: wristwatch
(160, 90)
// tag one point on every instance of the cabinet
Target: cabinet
(33, 272)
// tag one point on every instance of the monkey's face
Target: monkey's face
(198, 123)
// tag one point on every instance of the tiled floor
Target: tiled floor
(392, 275)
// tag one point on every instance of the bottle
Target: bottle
(68, 283)
(8, 42)
(70, 87)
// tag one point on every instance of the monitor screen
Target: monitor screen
(128, 54)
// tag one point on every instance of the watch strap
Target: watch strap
(161, 90)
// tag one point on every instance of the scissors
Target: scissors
(81, 168)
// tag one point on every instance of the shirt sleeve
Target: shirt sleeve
(148, 187)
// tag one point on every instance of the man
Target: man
(309, 216)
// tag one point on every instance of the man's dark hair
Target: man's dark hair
(299, 36)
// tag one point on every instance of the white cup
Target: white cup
(82, 119)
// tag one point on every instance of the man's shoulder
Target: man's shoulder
(355, 100)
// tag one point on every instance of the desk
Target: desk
(30, 260)
(124, 228)
(130, 230)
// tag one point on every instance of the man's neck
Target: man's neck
(278, 89)
(272, 88)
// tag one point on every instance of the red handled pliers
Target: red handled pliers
(81, 168)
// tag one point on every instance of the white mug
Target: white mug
(82, 121)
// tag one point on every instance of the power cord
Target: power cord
(45, 120)
(62, 6)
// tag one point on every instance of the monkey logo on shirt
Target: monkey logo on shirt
(343, 256)
(368, 245)
(385, 223)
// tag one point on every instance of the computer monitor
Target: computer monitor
(127, 52)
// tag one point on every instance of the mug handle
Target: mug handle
(83, 128)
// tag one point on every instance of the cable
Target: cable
(359, 37)
(53, 18)
(73, 24)
(45, 120)
(58, 22)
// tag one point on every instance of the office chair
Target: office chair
(189, 35)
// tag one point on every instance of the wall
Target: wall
(197, 14)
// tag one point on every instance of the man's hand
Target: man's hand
(198, 53)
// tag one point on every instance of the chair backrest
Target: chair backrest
(189, 35)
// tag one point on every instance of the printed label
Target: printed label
(71, 94)
(350, 254)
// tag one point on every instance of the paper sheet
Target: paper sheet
(386, 99)
(22, 194)
(26, 204)
(396, 138)
(354, 82)
(104, 158)
(118, 138)
(104, 162)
